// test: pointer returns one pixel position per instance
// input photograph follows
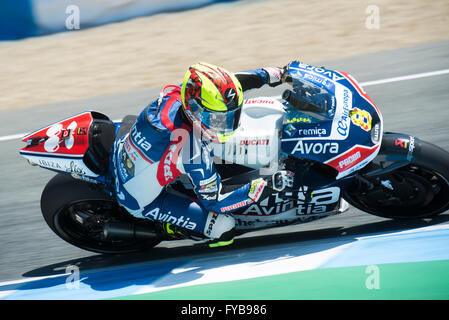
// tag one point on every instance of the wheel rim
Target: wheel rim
(409, 192)
(81, 224)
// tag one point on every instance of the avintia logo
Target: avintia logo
(315, 147)
(182, 222)
(139, 140)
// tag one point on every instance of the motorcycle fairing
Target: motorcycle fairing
(65, 146)
(255, 142)
(68, 137)
(347, 136)
(277, 211)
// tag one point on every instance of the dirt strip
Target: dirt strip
(156, 50)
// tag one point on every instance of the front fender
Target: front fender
(397, 150)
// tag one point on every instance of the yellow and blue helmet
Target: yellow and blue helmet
(212, 99)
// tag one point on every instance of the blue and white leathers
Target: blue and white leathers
(162, 146)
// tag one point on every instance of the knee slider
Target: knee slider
(217, 224)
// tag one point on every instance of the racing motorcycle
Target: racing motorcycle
(324, 128)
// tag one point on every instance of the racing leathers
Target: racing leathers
(160, 147)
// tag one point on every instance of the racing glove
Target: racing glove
(280, 182)
(274, 75)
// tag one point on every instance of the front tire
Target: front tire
(76, 211)
(417, 190)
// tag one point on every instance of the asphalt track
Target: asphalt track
(29, 249)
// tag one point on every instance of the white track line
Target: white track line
(12, 137)
(363, 84)
(21, 135)
(403, 78)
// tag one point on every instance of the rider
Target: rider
(172, 137)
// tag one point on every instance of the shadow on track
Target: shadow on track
(186, 249)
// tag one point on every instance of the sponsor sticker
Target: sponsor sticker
(401, 143)
(259, 101)
(56, 134)
(157, 215)
(299, 119)
(254, 142)
(290, 130)
(305, 147)
(127, 163)
(342, 117)
(81, 131)
(349, 160)
(168, 174)
(361, 118)
(322, 71)
(208, 180)
(212, 219)
(375, 133)
(139, 140)
(236, 205)
(209, 188)
(256, 188)
(407, 144)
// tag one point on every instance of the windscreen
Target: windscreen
(313, 99)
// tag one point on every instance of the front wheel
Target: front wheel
(77, 211)
(419, 189)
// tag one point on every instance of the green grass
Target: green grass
(404, 281)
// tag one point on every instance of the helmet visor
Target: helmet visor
(220, 122)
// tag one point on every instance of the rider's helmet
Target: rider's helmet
(212, 99)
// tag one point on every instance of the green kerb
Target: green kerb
(413, 280)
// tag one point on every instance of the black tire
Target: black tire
(76, 211)
(417, 190)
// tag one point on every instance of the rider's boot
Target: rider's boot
(225, 240)
(172, 231)
(220, 228)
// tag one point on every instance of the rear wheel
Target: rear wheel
(417, 190)
(77, 211)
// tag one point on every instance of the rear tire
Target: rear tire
(417, 190)
(76, 211)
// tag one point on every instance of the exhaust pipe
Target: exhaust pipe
(121, 230)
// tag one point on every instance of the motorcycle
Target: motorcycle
(325, 129)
